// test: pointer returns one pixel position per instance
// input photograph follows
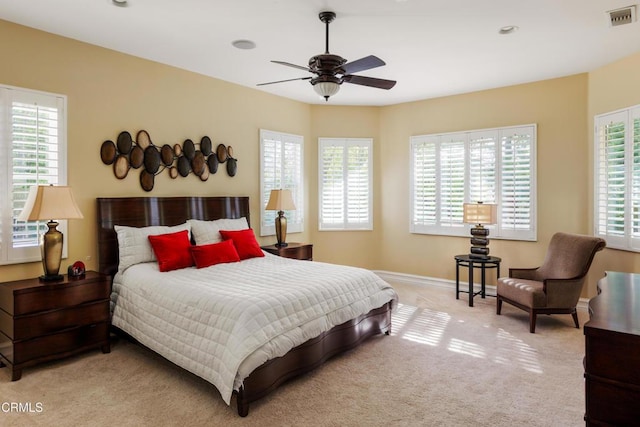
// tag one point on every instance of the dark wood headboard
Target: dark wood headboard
(145, 211)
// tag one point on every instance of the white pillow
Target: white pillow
(206, 232)
(134, 246)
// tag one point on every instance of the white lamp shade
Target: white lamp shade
(326, 89)
(480, 213)
(48, 202)
(280, 200)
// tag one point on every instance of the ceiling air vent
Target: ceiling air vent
(625, 15)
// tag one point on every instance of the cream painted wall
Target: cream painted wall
(558, 107)
(109, 92)
(358, 248)
(611, 88)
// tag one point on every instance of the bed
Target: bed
(261, 350)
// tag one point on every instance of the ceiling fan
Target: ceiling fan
(333, 70)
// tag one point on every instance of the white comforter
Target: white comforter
(224, 321)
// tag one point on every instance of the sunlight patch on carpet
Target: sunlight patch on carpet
(401, 316)
(419, 325)
(466, 347)
(425, 326)
(512, 350)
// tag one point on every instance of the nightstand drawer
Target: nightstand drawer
(301, 251)
(60, 296)
(304, 252)
(55, 345)
(34, 325)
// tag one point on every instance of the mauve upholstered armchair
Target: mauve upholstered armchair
(555, 286)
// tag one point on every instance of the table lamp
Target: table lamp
(48, 202)
(281, 200)
(479, 214)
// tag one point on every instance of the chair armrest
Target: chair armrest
(563, 293)
(524, 273)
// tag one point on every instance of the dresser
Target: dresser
(612, 352)
(41, 321)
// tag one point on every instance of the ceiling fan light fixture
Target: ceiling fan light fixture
(326, 89)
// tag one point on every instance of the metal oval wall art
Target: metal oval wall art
(178, 160)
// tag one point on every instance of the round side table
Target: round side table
(472, 262)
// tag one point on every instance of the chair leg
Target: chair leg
(574, 314)
(498, 304)
(532, 321)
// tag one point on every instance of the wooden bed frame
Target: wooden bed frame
(146, 211)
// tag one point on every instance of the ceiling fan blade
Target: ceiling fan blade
(282, 81)
(370, 81)
(288, 64)
(366, 63)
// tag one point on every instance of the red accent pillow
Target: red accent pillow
(172, 250)
(244, 241)
(214, 253)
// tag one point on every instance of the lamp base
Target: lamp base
(51, 278)
(281, 229)
(479, 242)
(281, 245)
(51, 251)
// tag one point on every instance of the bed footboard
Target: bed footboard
(311, 354)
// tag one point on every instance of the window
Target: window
(32, 152)
(617, 178)
(345, 180)
(489, 165)
(281, 160)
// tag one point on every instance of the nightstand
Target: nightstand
(41, 321)
(303, 251)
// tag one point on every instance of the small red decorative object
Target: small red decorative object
(77, 269)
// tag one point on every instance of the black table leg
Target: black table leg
(457, 280)
(470, 263)
(470, 284)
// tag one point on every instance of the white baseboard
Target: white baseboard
(424, 281)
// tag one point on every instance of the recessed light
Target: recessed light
(243, 44)
(508, 29)
(120, 3)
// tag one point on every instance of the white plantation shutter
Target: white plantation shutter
(332, 184)
(33, 144)
(359, 183)
(345, 180)
(517, 193)
(281, 157)
(438, 171)
(635, 186)
(482, 167)
(617, 178)
(424, 188)
(490, 165)
(452, 171)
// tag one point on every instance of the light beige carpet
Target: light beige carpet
(446, 364)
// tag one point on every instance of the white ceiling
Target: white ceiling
(432, 48)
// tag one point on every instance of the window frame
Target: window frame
(8, 95)
(295, 219)
(454, 226)
(627, 240)
(345, 224)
